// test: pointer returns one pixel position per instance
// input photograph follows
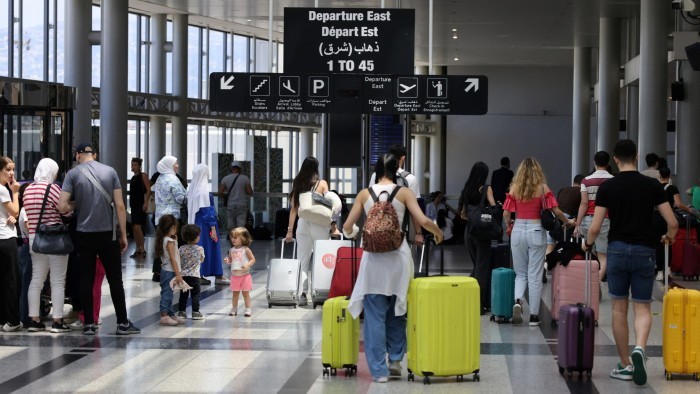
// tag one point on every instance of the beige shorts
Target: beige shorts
(601, 243)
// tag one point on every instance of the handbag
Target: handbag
(315, 208)
(547, 217)
(482, 221)
(52, 239)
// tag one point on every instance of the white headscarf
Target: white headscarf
(46, 171)
(165, 165)
(198, 192)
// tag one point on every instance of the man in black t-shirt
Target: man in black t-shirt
(629, 200)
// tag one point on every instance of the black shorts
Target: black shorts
(138, 216)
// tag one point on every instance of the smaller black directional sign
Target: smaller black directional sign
(349, 93)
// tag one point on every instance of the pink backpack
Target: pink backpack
(382, 231)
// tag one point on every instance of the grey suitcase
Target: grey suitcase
(323, 267)
(283, 279)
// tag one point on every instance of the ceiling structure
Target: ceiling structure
(488, 32)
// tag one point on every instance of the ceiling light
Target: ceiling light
(454, 37)
(248, 20)
(456, 59)
(454, 29)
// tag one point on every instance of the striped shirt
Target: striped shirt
(590, 185)
(34, 197)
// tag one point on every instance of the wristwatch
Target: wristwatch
(589, 245)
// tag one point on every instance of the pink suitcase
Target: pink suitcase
(568, 287)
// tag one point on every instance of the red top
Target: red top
(529, 209)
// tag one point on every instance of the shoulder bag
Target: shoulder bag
(547, 217)
(315, 208)
(229, 190)
(107, 197)
(52, 239)
(482, 221)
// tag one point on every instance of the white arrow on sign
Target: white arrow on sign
(472, 83)
(225, 83)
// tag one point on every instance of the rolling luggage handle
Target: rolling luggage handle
(294, 251)
(428, 239)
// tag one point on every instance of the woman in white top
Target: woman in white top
(308, 232)
(382, 283)
(9, 259)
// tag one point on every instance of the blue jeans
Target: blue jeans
(25, 276)
(528, 242)
(384, 333)
(166, 293)
(631, 266)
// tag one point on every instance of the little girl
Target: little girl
(240, 258)
(166, 249)
(191, 256)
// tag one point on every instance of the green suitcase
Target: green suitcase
(340, 343)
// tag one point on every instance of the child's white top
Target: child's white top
(237, 257)
(165, 260)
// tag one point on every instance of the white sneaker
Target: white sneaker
(660, 276)
(168, 321)
(10, 328)
(234, 312)
(76, 325)
(222, 281)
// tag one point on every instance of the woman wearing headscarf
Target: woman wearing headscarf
(37, 200)
(170, 197)
(201, 212)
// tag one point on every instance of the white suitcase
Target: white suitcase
(283, 279)
(323, 267)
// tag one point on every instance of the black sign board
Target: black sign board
(349, 93)
(354, 40)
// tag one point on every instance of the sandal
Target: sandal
(138, 254)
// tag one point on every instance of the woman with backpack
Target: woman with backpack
(475, 191)
(529, 197)
(382, 282)
(307, 232)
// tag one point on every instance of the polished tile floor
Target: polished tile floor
(279, 350)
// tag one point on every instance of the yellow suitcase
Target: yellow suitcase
(340, 341)
(443, 327)
(681, 333)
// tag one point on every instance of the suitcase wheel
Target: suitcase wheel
(410, 376)
(334, 371)
(325, 372)
(596, 323)
(460, 378)
(561, 371)
(426, 380)
(476, 377)
(668, 375)
(696, 377)
(492, 318)
(269, 305)
(348, 371)
(554, 325)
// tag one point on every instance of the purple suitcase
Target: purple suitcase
(576, 335)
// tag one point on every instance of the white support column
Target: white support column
(78, 72)
(687, 127)
(156, 147)
(113, 87)
(306, 143)
(581, 128)
(179, 122)
(418, 154)
(609, 84)
(652, 79)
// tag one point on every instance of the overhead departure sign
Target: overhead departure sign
(355, 40)
(349, 93)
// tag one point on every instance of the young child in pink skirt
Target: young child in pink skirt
(240, 258)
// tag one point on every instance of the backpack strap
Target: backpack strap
(483, 194)
(375, 198)
(393, 193)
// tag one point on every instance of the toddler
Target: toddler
(191, 256)
(166, 249)
(240, 258)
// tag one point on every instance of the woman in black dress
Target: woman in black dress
(139, 192)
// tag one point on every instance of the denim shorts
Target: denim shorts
(631, 266)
